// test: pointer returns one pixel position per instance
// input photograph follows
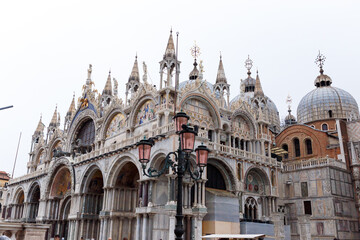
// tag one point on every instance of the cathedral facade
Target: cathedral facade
(295, 181)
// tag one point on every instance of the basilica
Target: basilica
(297, 179)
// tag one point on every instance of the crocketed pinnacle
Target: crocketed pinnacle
(221, 78)
(258, 88)
(72, 107)
(54, 120)
(135, 72)
(108, 87)
(40, 127)
(170, 49)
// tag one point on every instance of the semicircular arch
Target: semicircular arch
(210, 105)
(137, 108)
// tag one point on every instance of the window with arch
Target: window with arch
(87, 133)
(330, 114)
(250, 210)
(296, 143)
(324, 127)
(308, 145)
(286, 148)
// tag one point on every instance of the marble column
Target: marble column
(144, 227)
(137, 231)
(172, 227)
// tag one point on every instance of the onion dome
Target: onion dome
(290, 119)
(135, 76)
(326, 102)
(108, 87)
(194, 74)
(249, 82)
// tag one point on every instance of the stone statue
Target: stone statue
(89, 71)
(242, 86)
(145, 73)
(115, 86)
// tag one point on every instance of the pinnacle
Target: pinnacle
(135, 72)
(108, 87)
(221, 73)
(258, 88)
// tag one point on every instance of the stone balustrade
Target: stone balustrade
(243, 154)
(312, 163)
(27, 176)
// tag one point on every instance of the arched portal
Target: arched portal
(92, 203)
(63, 218)
(215, 178)
(125, 192)
(33, 205)
(19, 204)
(59, 191)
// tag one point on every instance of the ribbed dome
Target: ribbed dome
(326, 102)
(273, 113)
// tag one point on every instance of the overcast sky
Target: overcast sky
(46, 46)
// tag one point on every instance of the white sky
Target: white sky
(46, 46)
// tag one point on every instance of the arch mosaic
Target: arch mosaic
(61, 183)
(144, 110)
(114, 124)
(59, 164)
(257, 181)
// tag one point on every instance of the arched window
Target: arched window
(215, 178)
(87, 133)
(330, 114)
(324, 127)
(250, 209)
(308, 146)
(286, 148)
(296, 147)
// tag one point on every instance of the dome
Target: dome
(290, 119)
(326, 102)
(272, 109)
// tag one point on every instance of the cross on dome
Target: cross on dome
(320, 59)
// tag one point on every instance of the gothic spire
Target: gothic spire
(258, 88)
(135, 71)
(40, 127)
(54, 120)
(72, 107)
(170, 49)
(108, 87)
(221, 73)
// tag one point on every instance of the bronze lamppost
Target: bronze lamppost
(181, 163)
